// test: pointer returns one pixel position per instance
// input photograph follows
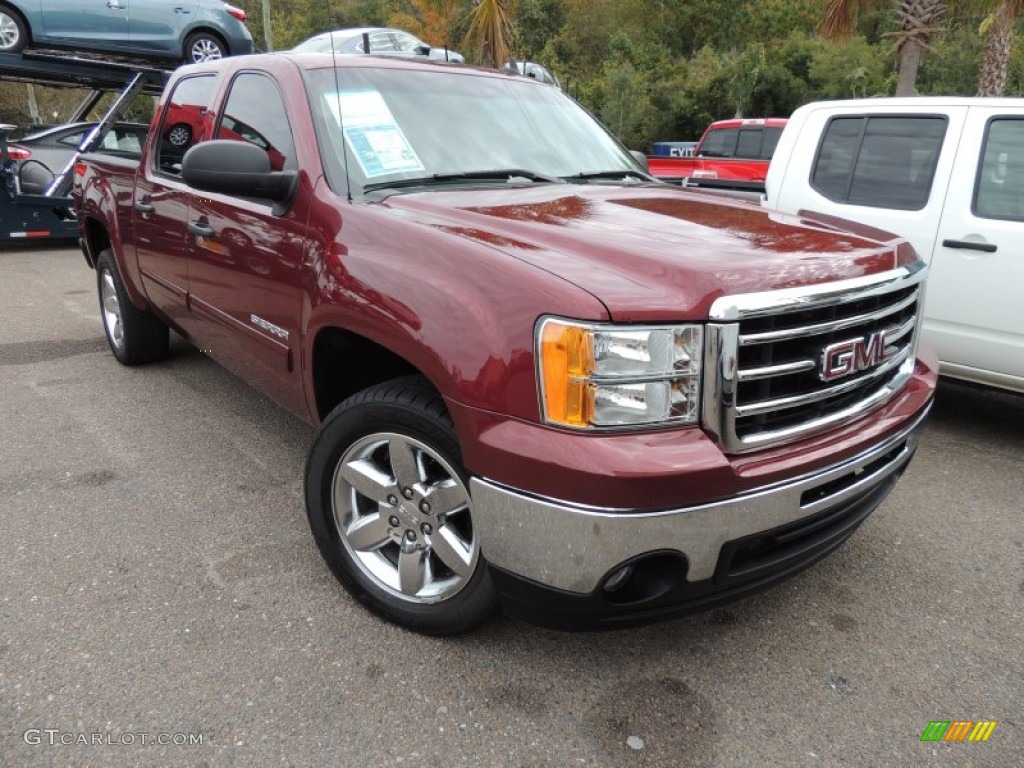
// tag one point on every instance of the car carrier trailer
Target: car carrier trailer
(49, 215)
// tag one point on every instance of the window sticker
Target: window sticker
(373, 136)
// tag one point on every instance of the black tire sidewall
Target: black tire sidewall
(145, 338)
(347, 424)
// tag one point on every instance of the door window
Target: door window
(882, 162)
(255, 113)
(183, 122)
(999, 189)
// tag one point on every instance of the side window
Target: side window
(882, 162)
(749, 145)
(406, 43)
(999, 189)
(379, 43)
(719, 143)
(255, 113)
(183, 122)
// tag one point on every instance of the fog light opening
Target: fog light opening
(644, 578)
(618, 579)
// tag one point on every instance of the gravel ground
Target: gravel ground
(159, 578)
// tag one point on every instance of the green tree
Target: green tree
(998, 32)
(917, 20)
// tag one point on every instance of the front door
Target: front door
(974, 291)
(93, 23)
(246, 265)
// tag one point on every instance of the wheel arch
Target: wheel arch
(203, 28)
(343, 363)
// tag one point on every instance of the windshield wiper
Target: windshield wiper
(612, 175)
(500, 174)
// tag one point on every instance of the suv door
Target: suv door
(91, 23)
(246, 261)
(156, 26)
(977, 270)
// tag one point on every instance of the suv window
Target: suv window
(255, 113)
(882, 162)
(999, 189)
(183, 121)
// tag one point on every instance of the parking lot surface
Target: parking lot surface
(160, 584)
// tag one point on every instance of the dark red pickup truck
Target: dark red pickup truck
(542, 379)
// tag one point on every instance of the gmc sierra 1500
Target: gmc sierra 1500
(542, 379)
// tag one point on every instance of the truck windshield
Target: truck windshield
(397, 125)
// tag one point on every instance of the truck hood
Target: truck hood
(652, 253)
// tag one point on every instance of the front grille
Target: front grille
(794, 363)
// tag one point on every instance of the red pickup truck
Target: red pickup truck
(732, 154)
(541, 379)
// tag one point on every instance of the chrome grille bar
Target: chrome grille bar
(820, 328)
(761, 387)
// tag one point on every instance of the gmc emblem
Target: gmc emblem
(845, 358)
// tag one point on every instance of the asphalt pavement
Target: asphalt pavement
(160, 584)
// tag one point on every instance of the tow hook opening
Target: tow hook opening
(644, 578)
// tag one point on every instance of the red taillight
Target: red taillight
(238, 13)
(17, 153)
(80, 169)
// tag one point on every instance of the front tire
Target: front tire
(13, 33)
(203, 46)
(389, 506)
(135, 336)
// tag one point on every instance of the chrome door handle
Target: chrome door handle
(143, 206)
(967, 245)
(114, 5)
(199, 229)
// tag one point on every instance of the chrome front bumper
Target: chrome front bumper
(573, 548)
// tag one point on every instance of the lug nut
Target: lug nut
(410, 535)
(407, 492)
(427, 530)
(393, 500)
(393, 521)
(424, 507)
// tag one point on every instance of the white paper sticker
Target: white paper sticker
(373, 136)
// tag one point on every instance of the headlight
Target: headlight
(618, 376)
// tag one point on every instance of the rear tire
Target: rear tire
(203, 46)
(135, 336)
(388, 503)
(13, 31)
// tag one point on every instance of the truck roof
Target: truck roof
(741, 122)
(902, 102)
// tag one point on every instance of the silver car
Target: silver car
(384, 40)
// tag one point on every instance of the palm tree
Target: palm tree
(490, 32)
(917, 19)
(997, 29)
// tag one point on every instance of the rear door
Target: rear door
(974, 290)
(157, 26)
(92, 23)
(162, 199)
(246, 260)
